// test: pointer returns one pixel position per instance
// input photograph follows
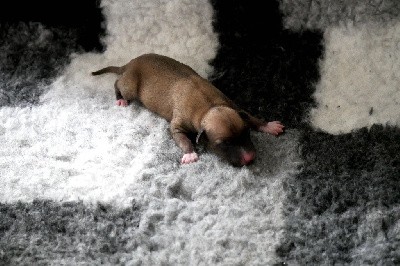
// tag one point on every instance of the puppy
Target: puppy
(192, 105)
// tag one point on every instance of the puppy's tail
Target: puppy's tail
(109, 69)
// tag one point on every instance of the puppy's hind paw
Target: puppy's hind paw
(189, 158)
(122, 102)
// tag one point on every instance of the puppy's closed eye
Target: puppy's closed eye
(224, 143)
(219, 141)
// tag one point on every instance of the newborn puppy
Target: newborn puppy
(192, 105)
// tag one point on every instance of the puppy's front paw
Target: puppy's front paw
(273, 128)
(122, 102)
(189, 158)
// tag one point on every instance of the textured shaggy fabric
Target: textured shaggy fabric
(85, 182)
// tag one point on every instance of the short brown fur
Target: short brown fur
(189, 102)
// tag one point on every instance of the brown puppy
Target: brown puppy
(192, 105)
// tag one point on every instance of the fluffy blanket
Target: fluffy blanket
(85, 182)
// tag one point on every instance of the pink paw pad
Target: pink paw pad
(189, 158)
(122, 102)
(273, 128)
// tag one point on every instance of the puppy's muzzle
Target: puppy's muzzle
(247, 157)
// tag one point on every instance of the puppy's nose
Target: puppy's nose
(248, 157)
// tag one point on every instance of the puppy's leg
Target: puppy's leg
(183, 142)
(274, 127)
(120, 100)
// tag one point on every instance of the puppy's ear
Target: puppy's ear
(244, 115)
(199, 135)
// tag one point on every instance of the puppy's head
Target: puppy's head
(228, 135)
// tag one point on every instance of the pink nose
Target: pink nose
(248, 157)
